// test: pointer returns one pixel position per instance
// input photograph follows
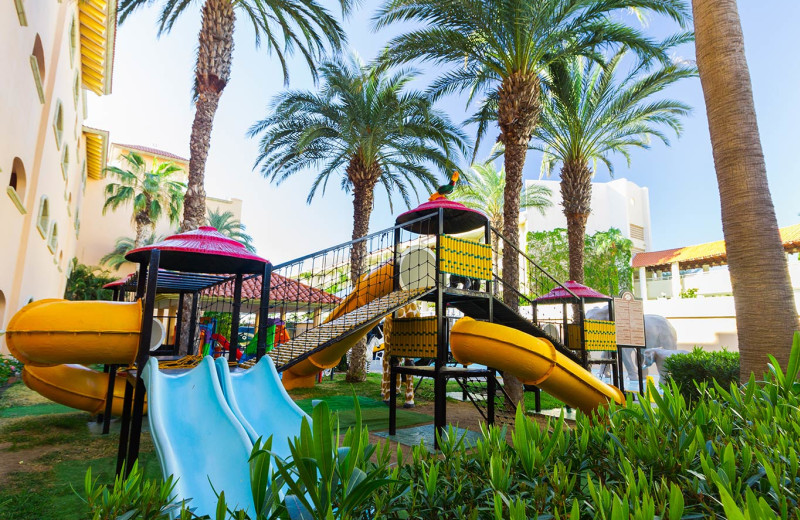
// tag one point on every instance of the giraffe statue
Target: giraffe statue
(409, 311)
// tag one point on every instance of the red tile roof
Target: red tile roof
(281, 289)
(152, 151)
(710, 253)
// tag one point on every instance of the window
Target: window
(637, 232)
(52, 243)
(16, 184)
(76, 90)
(2, 307)
(65, 162)
(69, 204)
(43, 220)
(58, 122)
(73, 39)
(83, 177)
(37, 66)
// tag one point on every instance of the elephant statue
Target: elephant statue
(658, 333)
(658, 355)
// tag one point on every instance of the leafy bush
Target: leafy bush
(132, 498)
(9, 367)
(86, 282)
(701, 366)
(731, 454)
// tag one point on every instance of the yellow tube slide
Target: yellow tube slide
(48, 333)
(370, 286)
(533, 360)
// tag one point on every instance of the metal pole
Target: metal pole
(233, 341)
(193, 321)
(488, 240)
(125, 427)
(112, 379)
(142, 357)
(392, 396)
(439, 381)
(263, 311)
(396, 261)
(178, 323)
(490, 394)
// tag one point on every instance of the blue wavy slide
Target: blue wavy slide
(204, 435)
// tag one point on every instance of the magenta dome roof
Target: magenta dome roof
(457, 217)
(203, 250)
(580, 290)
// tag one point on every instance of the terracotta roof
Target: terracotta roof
(711, 253)
(580, 290)
(281, 289)
(152, 151)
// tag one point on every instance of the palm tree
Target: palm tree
(501, 49)
(762, 291)
(152, 192)
(589, 115)
(367, 128)
(116, 257)
(485, 189)
(226, 224)
(286, 25)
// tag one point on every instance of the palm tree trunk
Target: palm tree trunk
(363, 193)
(766, 314)
(214, 55)
(517, 115)
(576, 197)
(141, 229)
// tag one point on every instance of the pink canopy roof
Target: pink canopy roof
(580, 290)
(203, 250)
(457, 217)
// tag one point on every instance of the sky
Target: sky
(150, 105)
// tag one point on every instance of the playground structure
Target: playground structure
(440, 255)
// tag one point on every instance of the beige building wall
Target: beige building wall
(42, 149)
(99, 231)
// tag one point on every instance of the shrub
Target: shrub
(700, 366)
(132, 498)
(733, 453)
(9, 367)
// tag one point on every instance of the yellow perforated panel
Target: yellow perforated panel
(600, 335)
(412, 337)
(465, 258)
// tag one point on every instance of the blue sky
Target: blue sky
(151, 106)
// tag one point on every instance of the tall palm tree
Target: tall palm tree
(485, 191)
(762, 291)
(366, 127)
(229, 226)
(116, 257)
(286, 25)
(501, 49)
(152, 192)
(588, 115)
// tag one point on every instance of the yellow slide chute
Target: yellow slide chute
(533, 360)
(48, 334)
(373, 285)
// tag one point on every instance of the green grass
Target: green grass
(46, 430)
(57, 493)
(36, 409)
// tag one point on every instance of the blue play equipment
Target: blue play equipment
(273, 412)
(204, 423)
(197, 437)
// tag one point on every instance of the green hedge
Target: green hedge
(734, 453)
(700, 366)
(9, 367)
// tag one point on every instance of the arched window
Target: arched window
(37, 66)
(2, 308)
(65, 162)
(58, 122)
(52, 243)
(16, 184)
(76, 90)
(43, 220)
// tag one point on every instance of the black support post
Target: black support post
(233, 341)
(142, 357)
(193, 321)
(439, 380)
(392, 396)
(112, 378)
(178, 323)
(125, 427)
(263, 311)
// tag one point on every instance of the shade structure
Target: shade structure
(578, 291)
(203, 250)
(457, 217)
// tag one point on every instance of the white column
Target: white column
(643, 283)
(676, 280)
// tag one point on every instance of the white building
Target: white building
(619, 204)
